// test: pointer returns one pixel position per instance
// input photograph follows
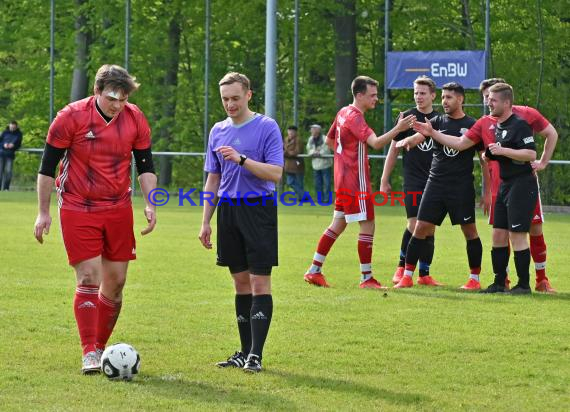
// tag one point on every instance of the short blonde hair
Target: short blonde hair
(504, 90)
(234, 77)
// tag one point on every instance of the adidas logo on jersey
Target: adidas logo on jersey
(86, 305)
(90, 135)
(259, 315)
(134, 251)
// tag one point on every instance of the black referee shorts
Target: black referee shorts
(247, 235)
(457, 199)
(516, 201)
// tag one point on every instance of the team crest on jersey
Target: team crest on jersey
(236, 142)
(504, 134)
(463, 130)
(449, 152)
(90, 135)
(427, 145)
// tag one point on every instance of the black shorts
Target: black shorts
(516, 201)
(412, 201)
(438, 200)
(247, 235)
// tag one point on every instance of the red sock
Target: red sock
(538, 252)
(365, 242)
(85, 309)
(108, 313)
(324, 246)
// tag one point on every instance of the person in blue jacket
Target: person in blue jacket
(10, 141)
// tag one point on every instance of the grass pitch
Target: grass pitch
(328, 349)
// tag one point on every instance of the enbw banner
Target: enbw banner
(464, 67)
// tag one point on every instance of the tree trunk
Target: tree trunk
(467, 29)
(79, 84)
(169, 103)
(345, 50)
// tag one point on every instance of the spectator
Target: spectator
(294, 165)
(10, 141)
(317, 148)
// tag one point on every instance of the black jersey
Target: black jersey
(451, 166)
(513, 133)
(417, 161)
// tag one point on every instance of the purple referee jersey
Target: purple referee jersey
(259, 139)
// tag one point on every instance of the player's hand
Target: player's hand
(229, 153)
(424, 128)
(204, 235)
(538, 166)
(405, 123)
(484, 157)
(385, 187)
(496, 149)
(485, 202)
(150, 214)
(41, 227)
(404, 143)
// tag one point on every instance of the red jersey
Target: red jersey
(94, 173)
(484, 130)
(350, 132)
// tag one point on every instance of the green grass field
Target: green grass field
(328, 349)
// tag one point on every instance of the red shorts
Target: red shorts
(353, 207)
(108, 233)
(537, 214)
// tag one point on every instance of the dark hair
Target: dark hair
(234, 77)
(360, 84)
(454, 87)
(426, 81)
(115, 77)
(485, 84)
(505, 90)
(14, 122)
(293, 128)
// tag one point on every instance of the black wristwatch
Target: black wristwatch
(242, 159)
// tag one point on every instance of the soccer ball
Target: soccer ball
(120, 361)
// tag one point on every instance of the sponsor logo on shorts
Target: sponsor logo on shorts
(515, 226)
(465, 219)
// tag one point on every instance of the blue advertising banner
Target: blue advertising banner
(464, 67)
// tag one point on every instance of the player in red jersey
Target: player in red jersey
(96, 137)
(349, 136)
(484, 131)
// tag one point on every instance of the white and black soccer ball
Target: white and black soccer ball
(120, 362)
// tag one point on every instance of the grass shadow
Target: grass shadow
(220, 398)
(349, 387)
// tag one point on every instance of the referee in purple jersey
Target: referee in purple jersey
(244, 160)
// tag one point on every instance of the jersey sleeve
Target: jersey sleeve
(475, 133)
(358, 127)
(273, 147)
(143, 133)
(61, 130)
(534, 118)
(332, 131)
(525, 139)
(212, 163)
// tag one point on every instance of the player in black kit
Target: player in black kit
(449, 187)
(417, 162)
(514, 150)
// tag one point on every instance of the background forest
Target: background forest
(338, 39)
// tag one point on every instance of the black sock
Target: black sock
(415, 250)
(500, 259)
(522, 262)
(426, 259)
(243, 312)
(261, 312)
(475, 253)
(405, 240)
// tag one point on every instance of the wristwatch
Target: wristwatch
(242, 159)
